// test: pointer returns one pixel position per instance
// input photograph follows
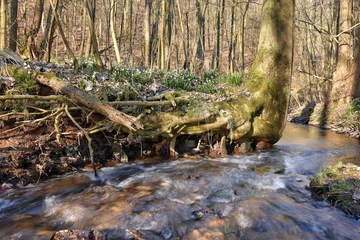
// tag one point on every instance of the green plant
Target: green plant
(351, 117)
(26, 82)
(184, 80)
(89, 65)
(235, 79)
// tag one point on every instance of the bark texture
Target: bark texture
(88, 100)
(270, 76)
(346, 79)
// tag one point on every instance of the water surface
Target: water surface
(258, 195)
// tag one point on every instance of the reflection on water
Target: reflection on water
(254, 196)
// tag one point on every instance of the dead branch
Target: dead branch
(88, 100)
(86, 135)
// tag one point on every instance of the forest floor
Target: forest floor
(30, 152)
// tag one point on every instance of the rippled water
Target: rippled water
(254, 196)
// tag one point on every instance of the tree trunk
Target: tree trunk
(61, 31)
(113, 31)
(161, 43)
(242, 37)
(13, 25)
(199, 55)
(90, 7)
(183, 36)
(147, 33)
(31, 49)
(345, 78)
(219, 30)
(270, 75)
(50, 30)
(232, 43)
(3, 16)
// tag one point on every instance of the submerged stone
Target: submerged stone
(79, 234)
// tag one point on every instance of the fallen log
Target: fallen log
(82, 98)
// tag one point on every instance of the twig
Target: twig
(34, 97)
(56, 123)
(87, 137)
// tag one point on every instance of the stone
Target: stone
(79, 235)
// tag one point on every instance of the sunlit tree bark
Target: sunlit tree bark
(113, 31)
(147, 33)
(270, 75)
(346, 77)
(162, 36)
(46, 46)
(3, 17)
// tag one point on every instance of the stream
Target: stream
(259, 195)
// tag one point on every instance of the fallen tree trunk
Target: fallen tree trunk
(82, 98)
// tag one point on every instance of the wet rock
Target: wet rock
(198, 215)
(119, 154)
(222, 196)
(79, 235)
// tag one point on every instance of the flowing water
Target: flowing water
(258, 195)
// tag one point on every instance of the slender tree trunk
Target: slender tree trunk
(161, 43)
(147, 33)
(242, 36)
(107, 29)
(3, 16)
(31, 48)
(49, 34)
(199, 55)
(113, 31)
(219, 38)
(90, 7)
(131, 27)
(83, 32)
(183, 36)
(170, 33)
(61, 31)
(89, 4)
(13, 25)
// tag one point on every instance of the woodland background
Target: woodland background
(201, 35)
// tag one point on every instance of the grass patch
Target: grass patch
(340, 187)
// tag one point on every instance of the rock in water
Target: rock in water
(78, 234)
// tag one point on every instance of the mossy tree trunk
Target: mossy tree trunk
(270, 75)
(257, 115)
